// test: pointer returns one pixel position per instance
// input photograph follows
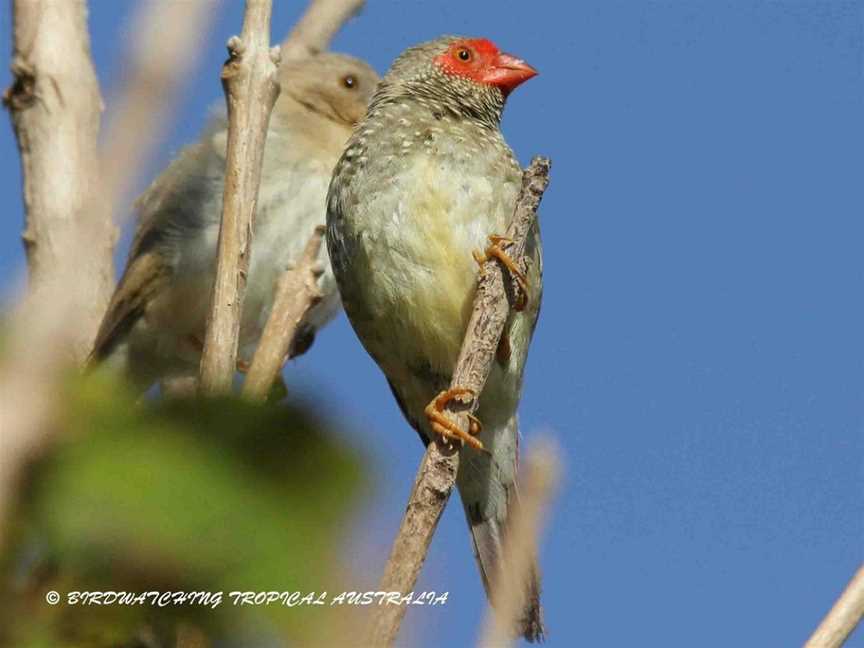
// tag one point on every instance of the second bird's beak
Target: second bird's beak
(507, 72)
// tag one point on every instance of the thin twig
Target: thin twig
(536, 489)
(314, 31)
(437, 474)
(296, 293)
(251, 87)
(843, 617)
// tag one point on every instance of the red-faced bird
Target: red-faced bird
(424, 182)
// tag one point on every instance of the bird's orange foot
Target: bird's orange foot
(496, 250)
(444, 426)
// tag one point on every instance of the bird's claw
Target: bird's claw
(443, 426)
(496, 250)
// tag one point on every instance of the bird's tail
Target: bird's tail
(487, 485)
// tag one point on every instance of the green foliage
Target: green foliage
(191, 495)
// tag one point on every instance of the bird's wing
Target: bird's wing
(144, 278)
(487, 487)
(534, 257)
(168, 206)
(164, 212)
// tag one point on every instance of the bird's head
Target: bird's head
(335, 86)
(479, 61)
(470, 77)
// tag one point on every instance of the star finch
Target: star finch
(425, 179)
(155, 322)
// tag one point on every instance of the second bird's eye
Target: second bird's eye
(349, 81)
(463, 54)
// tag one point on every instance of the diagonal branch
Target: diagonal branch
(843, 617)
(296, 293)
(437, 474)
(251, 87)
(314, 31)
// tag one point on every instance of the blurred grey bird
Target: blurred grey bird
(155, 323)
(425, 181)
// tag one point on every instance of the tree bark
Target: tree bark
(844, 616)
(55, 106)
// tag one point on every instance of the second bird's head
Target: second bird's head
(335, 86)
(469, 77)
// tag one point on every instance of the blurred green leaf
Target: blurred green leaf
(212, 495)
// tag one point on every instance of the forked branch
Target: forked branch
(251, 88)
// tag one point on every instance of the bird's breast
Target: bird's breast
(418, 232)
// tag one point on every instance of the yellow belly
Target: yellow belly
(430, 272)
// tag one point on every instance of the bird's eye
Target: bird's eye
(463, 54)
(349, 81)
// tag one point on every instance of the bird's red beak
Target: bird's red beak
(507, 72)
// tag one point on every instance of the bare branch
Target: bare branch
(70, 196)
(296, 293)
(314, 31)
(843, 617)
(542, 470)
(71, 189)
(437, 474)
(251, 88)
(55, 108)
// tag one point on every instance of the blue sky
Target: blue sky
(700, 355)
